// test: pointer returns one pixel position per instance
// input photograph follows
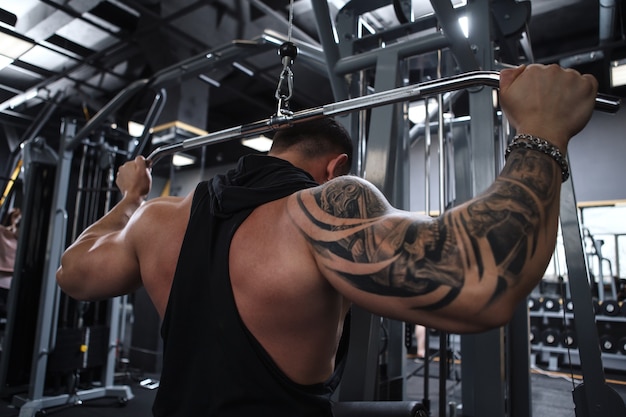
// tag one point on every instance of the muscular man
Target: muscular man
(255, 271)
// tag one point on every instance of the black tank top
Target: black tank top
(212, 365)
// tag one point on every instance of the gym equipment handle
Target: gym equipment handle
(457, 82)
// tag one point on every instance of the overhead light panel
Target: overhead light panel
(19, 99)
(259, 143)
(13, 47)
(5, 61)
(181, 160)
(464, 22)
(210, 80)
(417, 110)
(135, 129)
(243, 69)
(618, 73)
(23, 98)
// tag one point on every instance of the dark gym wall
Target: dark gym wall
(598, 158)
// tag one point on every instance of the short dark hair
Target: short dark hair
(315, 138)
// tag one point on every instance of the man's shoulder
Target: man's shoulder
(348, 186)
(166, 203)
(160, 211)
(346, 197)
(340, 183)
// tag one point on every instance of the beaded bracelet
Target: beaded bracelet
(536, 144)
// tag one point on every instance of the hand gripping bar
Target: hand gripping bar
(457, 82)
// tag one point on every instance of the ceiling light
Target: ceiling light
(135, 129)
(13, 47)
(417, 110)
(259, 143)
(243, 69)
(181, 160)
(618, 73)
(23, 98)
(464, 22)
(209, 80)
(19, 99)
(5, 61)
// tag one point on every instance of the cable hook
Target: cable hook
(288, 52)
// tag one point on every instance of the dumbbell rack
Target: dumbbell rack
(553, 339)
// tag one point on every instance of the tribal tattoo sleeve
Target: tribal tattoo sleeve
(361, 239)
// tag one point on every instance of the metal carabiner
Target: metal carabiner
(288, 52)
(284, 94)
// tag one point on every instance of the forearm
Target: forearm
(509, 232)
(115, 220)
(478, 260)
(134, 182)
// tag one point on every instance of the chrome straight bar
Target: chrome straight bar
(425, 89)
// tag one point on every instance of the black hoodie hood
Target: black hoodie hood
(257, 179)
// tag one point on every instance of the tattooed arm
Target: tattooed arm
(464, 271)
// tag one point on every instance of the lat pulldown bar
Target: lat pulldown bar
(428, 88)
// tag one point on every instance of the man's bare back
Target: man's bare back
(278, 289)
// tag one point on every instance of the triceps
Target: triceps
(359, 238)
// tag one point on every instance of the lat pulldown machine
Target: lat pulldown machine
(283, 119)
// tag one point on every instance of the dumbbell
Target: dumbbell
(535, 335)
(550, 337)
(551, 304)
(568, 339)
(568, 305)
(610, 307)
(608, 343)
(534, 304)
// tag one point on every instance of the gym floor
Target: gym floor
(551, 394)
(551, 391)
(139, 406)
